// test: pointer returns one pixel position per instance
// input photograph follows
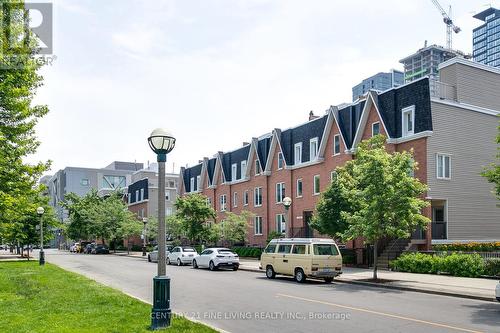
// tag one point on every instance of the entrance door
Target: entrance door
(307, 219)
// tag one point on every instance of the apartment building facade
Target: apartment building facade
(298, 162)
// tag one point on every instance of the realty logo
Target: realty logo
(25, 24)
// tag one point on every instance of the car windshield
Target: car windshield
(325, 249)
(188, 249)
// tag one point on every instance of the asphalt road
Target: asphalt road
(249, 302)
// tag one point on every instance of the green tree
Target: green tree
(492, 173)
(194, 213)
(329, 218)
(19, 80)
(386, 198)
(80, 211)
(235, 227)
(128, 228)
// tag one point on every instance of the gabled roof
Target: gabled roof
(189, 173)
(349, 120)
(211, 169)
(236, 156)
(263, 148)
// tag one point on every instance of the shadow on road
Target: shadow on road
(485, 313)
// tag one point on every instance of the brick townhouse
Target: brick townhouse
(450, 124)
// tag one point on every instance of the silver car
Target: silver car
(217, 257)
(153, 255)
(181, 255)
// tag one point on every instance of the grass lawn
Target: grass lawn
(50, 299)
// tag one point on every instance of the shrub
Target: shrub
(274, 235)
(468, 247)
(251, 252)
(492, 267)
(469, 265)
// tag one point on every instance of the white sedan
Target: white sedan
(217, 257)
(181, 255)
(153, 255)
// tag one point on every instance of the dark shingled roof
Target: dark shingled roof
(234, 157)
(211, 169)
(137, 186)
(263, 147)
(302, 133)
(349, 121)
(190, 173)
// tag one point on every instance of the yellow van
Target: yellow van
(301, 258)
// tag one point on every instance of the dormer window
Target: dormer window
(234, 169)
(313, 149)
(408, 116)
(298, 153)
(191, 187)
(257, 167)
(243, 169)
(375, 128)
(281, 161)
(198, 181)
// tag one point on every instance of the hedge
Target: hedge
(492, 267)
(468, 247)
(456, 264)
(243, 251)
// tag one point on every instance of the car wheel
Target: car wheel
(211, 266)
(195, 265)
(149, 258)
(328, 279)
(270, 273)
(168, 261)
(299, 275)
(235, 268)
(179, 263)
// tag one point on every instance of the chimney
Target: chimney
(312, 116)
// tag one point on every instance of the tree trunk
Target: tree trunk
(28, 251)
(375, 259)
(128, 245)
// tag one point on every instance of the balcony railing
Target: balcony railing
(443, 90)
(439, 230)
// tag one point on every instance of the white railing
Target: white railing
(443, 90)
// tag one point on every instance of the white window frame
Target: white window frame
(314, 185)
(281, 160)
(167, 195)
(410, 110)
(297, 194)
(142, 194)
(198, 181)
(243, 169)
(223, 202)
(336, 137)
(280, 192)
(256, 191)
(257, 227)
(332, 173)
(438, 156)
(245, 198)
(297, 158)
(234, 171)
(373, 125)
(257, 167)
(129, 198)
(281, 224)
(209, 202)
(136, 195)
(191, 187)
(235, 199)
(313, 153)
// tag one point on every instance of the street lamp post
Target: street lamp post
(162, 143)
(40, 212)
(287, 202)
(145, 221)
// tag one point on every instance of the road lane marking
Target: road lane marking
(380, 313)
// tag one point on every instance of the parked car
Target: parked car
(89, 248)
(153, 255)
(217, 257)
(497, 292)
(181, 255)
(74, 248)
(100, 249)
(302, 258)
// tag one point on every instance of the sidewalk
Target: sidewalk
(7, 256)
(474, 288)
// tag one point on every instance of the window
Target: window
(411, 170)
(198, 181)
(235, 199)
(280, 223)
(280, 192)
(84, 182)
(408, 120)
(316, 184)
(375, 128)
(257, 167)
(222, 202)
(270, 248)
(281, 161)
(245, 198)
(443, 166)
(299, 188)
(243, 169)
(257, 198)
(284, 248)
(299, 249)
(168, 211)
(167, 195)
(136, 195)
(336, 144)
(333, 175)
(171, 184)
(257, 225)
(113, 182)
(142, 194)
(129, 198)
(191, 188)
(234, 170)
(325, 250)
(209, 202)
(313, 149)
(298, 153)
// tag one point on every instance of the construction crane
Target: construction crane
(449, 24)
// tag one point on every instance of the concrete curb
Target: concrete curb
(419, 290)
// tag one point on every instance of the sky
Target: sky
(216, 72)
